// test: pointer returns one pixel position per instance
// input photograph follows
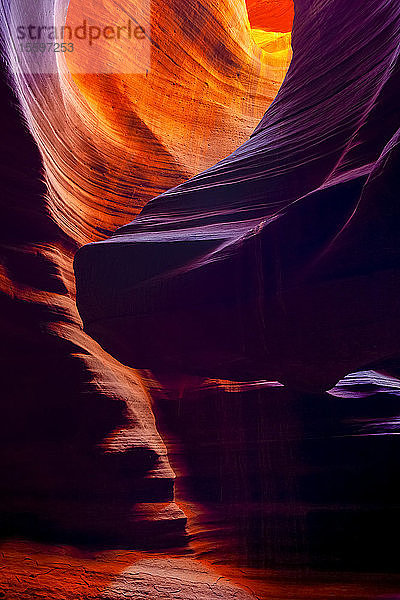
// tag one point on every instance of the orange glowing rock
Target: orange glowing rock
(271, 15)
(100, 145)
(207, 85)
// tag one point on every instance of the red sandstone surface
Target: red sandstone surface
(212, 488)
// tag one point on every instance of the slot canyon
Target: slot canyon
(199, 304)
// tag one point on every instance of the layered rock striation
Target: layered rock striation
(82, 152)
(281, 262)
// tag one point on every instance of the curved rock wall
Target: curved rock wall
(81, 154)
(267, 475)
(257, 268)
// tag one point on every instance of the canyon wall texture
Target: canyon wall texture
(81, 154)
(258, 268)
(263, 269)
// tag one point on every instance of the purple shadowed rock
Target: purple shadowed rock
(283, 260)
